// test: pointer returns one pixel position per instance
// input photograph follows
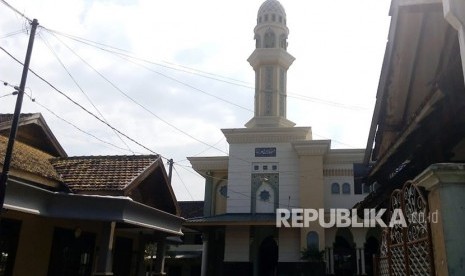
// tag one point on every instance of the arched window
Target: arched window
(313, 240)
(270, 39)
(335, 189)
(346, 188)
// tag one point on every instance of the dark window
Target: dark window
(335, 189)
(265, 167)
(256, 167)
(346, 188)
(313, 240)
(274, 167)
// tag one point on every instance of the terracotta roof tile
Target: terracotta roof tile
(101, 173)
(29, 159)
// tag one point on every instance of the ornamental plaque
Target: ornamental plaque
(265, 152)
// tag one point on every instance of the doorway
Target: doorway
(268, 257)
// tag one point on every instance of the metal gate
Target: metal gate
(407, 250)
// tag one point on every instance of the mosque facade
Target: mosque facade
(275, 165)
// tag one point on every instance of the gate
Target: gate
(407, 250)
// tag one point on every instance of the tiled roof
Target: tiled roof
(191, 209)
(29, 159)
(101, 173)
(5, 117)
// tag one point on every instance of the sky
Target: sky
(171, 74)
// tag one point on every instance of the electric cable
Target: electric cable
(82, 90)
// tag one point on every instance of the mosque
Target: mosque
(273, 164)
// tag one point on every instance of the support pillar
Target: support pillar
(160, 259)
(362, 256)
(207, 205)
(140, 264)
(445, 183)
(327, 260)
(105, 253)
(204, 254)
(357, 253)
(331, 258)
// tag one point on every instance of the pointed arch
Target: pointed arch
(270, 39)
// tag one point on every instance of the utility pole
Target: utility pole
(16, 115)
(170, 173)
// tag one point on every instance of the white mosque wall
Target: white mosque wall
(289, 245)
(236, 244)
(340, 199)
(241, 161)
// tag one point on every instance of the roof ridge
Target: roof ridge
(135, 156)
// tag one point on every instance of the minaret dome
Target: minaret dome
(271, 30)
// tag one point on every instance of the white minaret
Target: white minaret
(270, 61)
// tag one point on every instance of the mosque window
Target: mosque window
(335, 189)
(270, 39)
(346, 188)
(273, 17)
(266, 17)
(259, 19)
(280, 19)
(313, 240)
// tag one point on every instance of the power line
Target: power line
(189, 70)
(15, 10)
(82, 107)
(184, 184)
(248, 85)
(11, 34)
(145, 108)
(80, 88)
(234, 191)
(76, 127)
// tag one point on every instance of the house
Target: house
(272, 165)
(416, 146)
(87, 215)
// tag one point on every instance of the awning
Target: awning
(234, 219)
(31, 199)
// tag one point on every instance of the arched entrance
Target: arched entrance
(268, 257)
(345, 259)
